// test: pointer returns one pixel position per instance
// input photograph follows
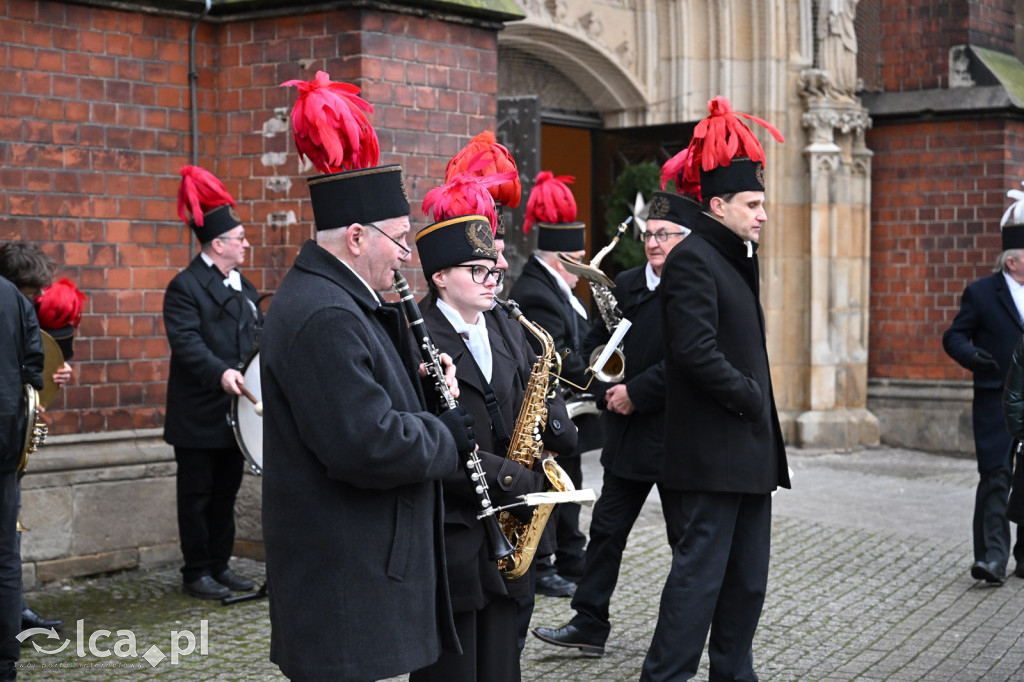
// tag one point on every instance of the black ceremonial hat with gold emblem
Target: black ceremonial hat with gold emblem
(454, 241)
(363, 195)
(331, 129)
(725, 156)
(675, 208)
(552, 209)
(205, 205)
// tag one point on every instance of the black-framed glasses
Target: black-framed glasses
(480, 273)
(405, 249)
(661, 236)
(227, 239)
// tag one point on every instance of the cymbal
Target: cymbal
(54, 360)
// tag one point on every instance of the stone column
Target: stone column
(839, 201)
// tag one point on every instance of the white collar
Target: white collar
(373, 293)
(233, 280)
(653, 280)
(564, 287)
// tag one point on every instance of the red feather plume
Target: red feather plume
(675, 169)
(721, 137)
(468, 193)
(551, 201)
(199, 192)
(60, 304)
(507, 193)
(330, 127)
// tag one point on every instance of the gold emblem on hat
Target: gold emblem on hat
(658, 208)
(479, 236)
(233, 213)
(759, 173)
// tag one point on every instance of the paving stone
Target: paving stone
(869, 581)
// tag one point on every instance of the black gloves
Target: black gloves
(460, 423)
(982, 361)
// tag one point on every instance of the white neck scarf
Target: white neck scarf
(475, 336)
(653, 280)
(233, 280)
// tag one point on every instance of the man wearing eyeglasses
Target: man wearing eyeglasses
(211, 317)
(633, 420)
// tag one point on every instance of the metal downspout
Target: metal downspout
(193, 76)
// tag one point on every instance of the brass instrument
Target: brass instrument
(614, 370)
(35, 427)
(526, 447)
(499, 547)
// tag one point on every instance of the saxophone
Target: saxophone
(526, 447)
(614, 369)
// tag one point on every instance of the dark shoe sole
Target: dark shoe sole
(591, 649)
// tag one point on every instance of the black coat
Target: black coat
(988, 320)
(474, 580)
(352, 510)
(634, 443)
(1013, 414)
(211, 328)
(21, 362)
(543, 303)
(722, 430)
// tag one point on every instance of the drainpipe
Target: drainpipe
(193, 76)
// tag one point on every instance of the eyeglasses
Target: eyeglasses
(480, 273)
(661, 236)
(227, 239)
(405, 249)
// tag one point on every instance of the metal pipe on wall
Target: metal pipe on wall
(193, 76)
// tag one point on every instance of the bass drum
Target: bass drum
(245, 421)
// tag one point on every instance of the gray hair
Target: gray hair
(1004, 256)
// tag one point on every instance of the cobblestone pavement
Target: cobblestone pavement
(869, 581)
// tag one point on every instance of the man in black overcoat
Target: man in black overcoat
(633, 421)
(21, 363)
(724, 451)
(352, 505)
(981, 338)
(211, 319)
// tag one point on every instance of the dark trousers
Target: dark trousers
(718, 581)
(207, 484)
(10, 575)
(570, 542)
(489, 649)
(614, 515)
(991, 528)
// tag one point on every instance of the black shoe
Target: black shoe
(989, 571)
(570, 636)
(205, 588)
(554, 585)
(235, 583)
(31, 619)
(1018, 570)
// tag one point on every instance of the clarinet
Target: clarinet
(499, 545)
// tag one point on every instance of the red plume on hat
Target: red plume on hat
(551, 201)
(467, 193)
(508, 192)
(60, 304)
(721, 137)
(199, 192)
(330, 127)
(675, 169)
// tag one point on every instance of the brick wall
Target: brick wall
(939, 190)
(94, 125)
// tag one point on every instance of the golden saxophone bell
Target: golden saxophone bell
(614, 369)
